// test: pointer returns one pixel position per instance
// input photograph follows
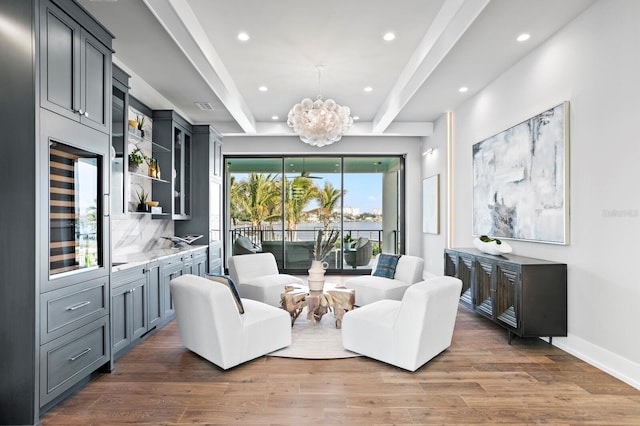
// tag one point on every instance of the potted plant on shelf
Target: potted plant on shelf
(140, 122)
(136, 157)
(143, 196)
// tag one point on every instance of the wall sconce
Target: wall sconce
(428, 152)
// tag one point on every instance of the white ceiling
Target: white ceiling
(184, 51)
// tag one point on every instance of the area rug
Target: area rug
(309, 340)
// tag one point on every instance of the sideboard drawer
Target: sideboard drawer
(68, 308)
(65, 361)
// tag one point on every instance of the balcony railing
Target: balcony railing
(258, 236)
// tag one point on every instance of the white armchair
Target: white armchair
(257, 277)
(405, 333)
(370, 288)
(211, 326)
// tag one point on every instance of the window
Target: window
(278, 205)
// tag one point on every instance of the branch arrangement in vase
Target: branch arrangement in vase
(320, 250)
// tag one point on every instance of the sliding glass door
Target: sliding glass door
(279, 205)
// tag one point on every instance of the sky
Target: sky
(364, 190)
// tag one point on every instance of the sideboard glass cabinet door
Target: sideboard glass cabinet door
(75, 218)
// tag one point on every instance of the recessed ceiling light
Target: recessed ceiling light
(368, 89)
(523, 37)
(274, 117)
(263, 88)
(389, 36)
(463, 89)
(356, 117)
(243, 36)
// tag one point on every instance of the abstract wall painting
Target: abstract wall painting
(521, 180)
(431, 205)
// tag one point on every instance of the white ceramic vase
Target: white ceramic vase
(316, 275)
(491, 247)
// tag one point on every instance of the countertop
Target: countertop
(131, 260)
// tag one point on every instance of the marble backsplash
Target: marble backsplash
(139, 233)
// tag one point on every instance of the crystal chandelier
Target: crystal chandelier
(321, 122)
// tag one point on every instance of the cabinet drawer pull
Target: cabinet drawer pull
(78, 306)
(86, 351)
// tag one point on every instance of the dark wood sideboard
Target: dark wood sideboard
(526, 296)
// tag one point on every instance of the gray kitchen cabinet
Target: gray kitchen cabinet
(206, 213)
(74, 66)
(170, 268)
(68, 308)
(59, 65)
(187, 263)
(129, 307)
(119, 143)
(69, 359)
(174, 133)
(199, 262)
(215, 257)
(154, 305)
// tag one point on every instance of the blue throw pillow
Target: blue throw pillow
(226, 280)
(386, 265)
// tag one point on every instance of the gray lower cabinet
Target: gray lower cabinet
(187, 263)
(154, 306)
(137, 304)
(200, 262)
(67, 360)
(129, 307)
(66, 309)
(170, 268)
(215, 257)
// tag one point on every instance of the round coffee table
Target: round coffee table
(333, 297)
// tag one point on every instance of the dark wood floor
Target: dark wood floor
(480, 379)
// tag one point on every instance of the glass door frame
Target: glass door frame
(401, 203)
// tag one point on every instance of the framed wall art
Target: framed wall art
(431, 205)
(521, 180)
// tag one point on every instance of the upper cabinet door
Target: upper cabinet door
(75, 70)
(95, 79)
(59, 62)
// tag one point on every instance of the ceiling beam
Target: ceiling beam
(451, 22)
(178, 19)
(408, 129)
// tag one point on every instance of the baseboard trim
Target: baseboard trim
(603, 359)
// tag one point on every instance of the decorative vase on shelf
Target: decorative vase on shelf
(133, 167)
(153, 170)
(316, 275)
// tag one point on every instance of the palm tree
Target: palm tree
(299, 192)
(328, 197)
(257, 198)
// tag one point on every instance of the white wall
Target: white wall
(436, 164)
(291, 145)
(594, 62)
